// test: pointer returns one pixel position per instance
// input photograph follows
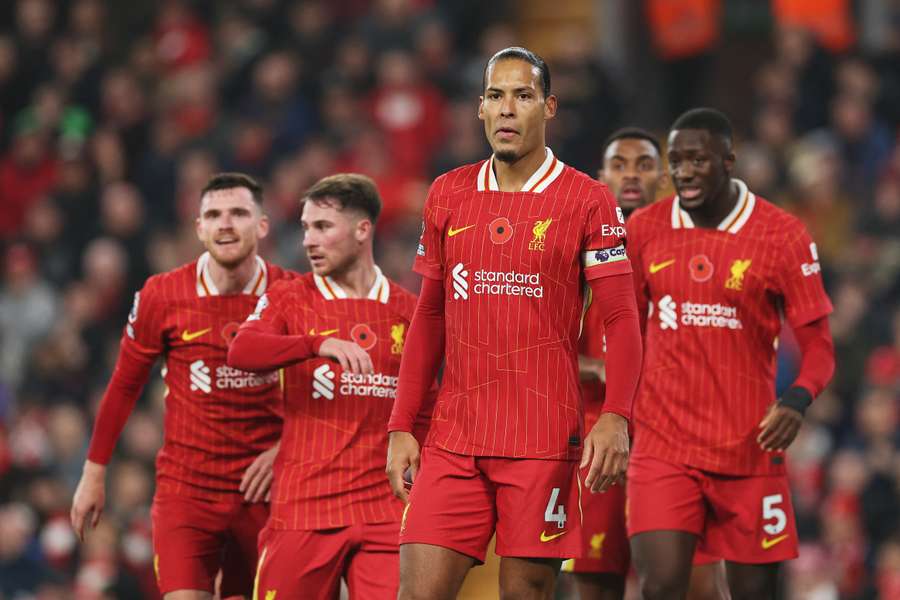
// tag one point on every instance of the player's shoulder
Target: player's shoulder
(180, 281)
(776, 219)
(277, 273)
(656, 215)
(460, 179)
(292, 283)
(401, 300)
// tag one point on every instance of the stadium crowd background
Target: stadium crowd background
(114, 114)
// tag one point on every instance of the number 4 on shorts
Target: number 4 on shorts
(553, 513)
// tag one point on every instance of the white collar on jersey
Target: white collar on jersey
(735, 220)
(207, 287)
(537, 183)
(381, 289)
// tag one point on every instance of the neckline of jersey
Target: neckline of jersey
(732, 223)
(542, 177)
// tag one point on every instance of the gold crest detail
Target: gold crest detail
(398, 332)
(540, 233)
(738, 270)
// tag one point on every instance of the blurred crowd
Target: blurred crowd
(114, 114)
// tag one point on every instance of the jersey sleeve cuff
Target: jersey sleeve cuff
(813, 313)
(608, 270)
(622, 412)
(431, 272)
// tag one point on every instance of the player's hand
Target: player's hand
(403, 456)
(90, 496)
(606, 451)
(779, 428)
(349, 354)
(256, 484)
(590, 369)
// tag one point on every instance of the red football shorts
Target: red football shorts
(604, 539)
(604, 543)
(742, 519)
(307, 564)
(194, 538)
(458, 501)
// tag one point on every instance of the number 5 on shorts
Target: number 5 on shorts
(771, 511)
(553, 513)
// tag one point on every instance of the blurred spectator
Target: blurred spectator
(410, 112)
(28, 171)
(27, 309)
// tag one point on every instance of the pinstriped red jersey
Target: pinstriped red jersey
(514, 267)
(716, 300)
(330, 468)
(218, 419)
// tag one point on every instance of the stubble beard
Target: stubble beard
(506, 156)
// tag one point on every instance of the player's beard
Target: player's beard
(338, 270)
(507, 156)
(232, 260)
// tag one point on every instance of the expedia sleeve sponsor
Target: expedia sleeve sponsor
(605, 256)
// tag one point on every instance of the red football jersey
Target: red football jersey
(218, 419)
(330, 468)
(716, 300)
(514, 267)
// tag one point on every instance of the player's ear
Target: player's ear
(262, 228)
(363, 229)
(600, 175)
(550, 107)
(197, 229)
(728, 160)
(481, 108)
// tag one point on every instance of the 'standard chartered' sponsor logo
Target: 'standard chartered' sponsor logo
(371, 385)
(495, 283)
(229, 378)
(696, 314)
(226, 378)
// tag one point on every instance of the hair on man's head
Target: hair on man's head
(349, 191)
(631, 133)
(517, 52)
(706, 119)
(229, 181)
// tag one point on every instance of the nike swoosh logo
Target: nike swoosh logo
(326, 332)
(657, 267)
(451, 232)
(187, 336)
(548, 538)
(767, 543)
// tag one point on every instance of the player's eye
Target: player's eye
(699, 161)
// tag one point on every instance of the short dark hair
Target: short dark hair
(348, 190)
(528, 56)
(706, 119)
(631, 133)
(228, 181)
